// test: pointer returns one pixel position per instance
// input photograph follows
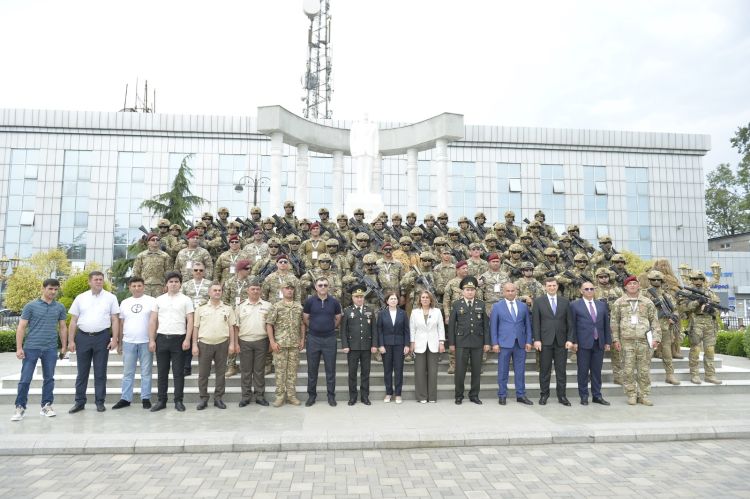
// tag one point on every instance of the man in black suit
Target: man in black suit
(552, 327)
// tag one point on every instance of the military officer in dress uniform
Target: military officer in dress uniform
(359, 342)
(468, 337)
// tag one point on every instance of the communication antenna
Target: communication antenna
(317, 79)
(140, 105)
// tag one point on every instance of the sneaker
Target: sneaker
(398, 399)
(19, 414)
(387, 399)
(48, 411)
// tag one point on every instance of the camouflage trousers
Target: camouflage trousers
(677, 343)
(154, 290)
(617, 364)
(666, 351)
(286, 363)
(702, 334)
(636, 362)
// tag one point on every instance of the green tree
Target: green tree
(728, 193)
(179, 201)
(24, 284)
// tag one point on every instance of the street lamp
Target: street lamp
(255, 182)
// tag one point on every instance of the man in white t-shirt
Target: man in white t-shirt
(169, 332)
(135, 313)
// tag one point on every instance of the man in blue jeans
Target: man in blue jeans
(321, 314)
(45, 319)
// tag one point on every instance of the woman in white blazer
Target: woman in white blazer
(427, 341)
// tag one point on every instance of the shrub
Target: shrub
(746, 341)
(7, 340)
(735, 347)
(24, 285)
(75, 285)
(723, 339)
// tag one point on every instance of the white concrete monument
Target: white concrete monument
(364, 146)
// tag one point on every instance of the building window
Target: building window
(508, 189)
(463, 191)
(131, 172)
(74, 206)
(394, 185)
(19, 220)
(596, 214)
(232, 168)
(637, 201)
(553, 196)
(427, 187)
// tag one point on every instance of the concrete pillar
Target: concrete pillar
(338, 183)
(441, 167)
(277, 147)
(412, 183)
(300, 191)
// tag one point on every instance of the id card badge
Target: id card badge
(237, 300)
(257, 258)
(196, 302)
(189, 265)
(314, 255)
(281, 295)
(634, 319)
(497, 288)
(232, 268)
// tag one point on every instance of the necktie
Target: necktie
(554, 305)
(592, 311)
(513, 310)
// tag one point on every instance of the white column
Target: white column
(377, 175)
(300, 192)
(277, 145)
(412, 184)
(338, 184)
(441, 165)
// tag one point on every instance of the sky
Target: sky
(665, 66)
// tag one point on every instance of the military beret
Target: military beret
(282, 256)
(468, 282)
(461, 263)
(629, 279)
(315, 225)
(386, 245)
(192, 234)
(493, 256)
(234, 237)
(243, 265)
(151, 235)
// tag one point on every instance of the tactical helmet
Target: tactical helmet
(207, 215)
(362, 236)
(655, 275)
(618, 258)
(175, 227)
(396, 216)
(526, 235)
(535, 224)
(370, 258)
(510, 213)
(475, 246)
(442, 214)
(605, 239)
(293, 239)
(274, 241)
(234, 224)
(580, 257)
(573, 228)
(539, 213)
(479, 214)
(224, 209)
(602, 271)
(200, 225)
(255, 209)
(359, 211)
(322, 210)
(324, 257)
(515, 248)
(527, 266)
(268, 220)
(411, 214)
(697, 274)
(566, 238)
(463, 220)
(163, 222)
(428, 217)
(427, 256)
(288, 204)
(550, 251)
(439, 241)
(453, 231)
(416, 231)
(305, 221)
(498, 226)
(405, 240)
(342, 216)
(491, 237)
(332, 242)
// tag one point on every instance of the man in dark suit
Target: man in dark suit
(468, 336)
(359, 341)
(593, 337)
(552, 328)
(510, 328)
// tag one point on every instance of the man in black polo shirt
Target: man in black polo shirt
(321, 315)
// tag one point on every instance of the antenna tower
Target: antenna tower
(317, 79)
(140, 104)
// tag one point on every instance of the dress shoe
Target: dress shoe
(179, 406)
(524, 400)
(187, 372)
(459, 400)
(366, 401)
(310, 401)
(332, 401)
(77, 408)
(564, 401)
(293, 400)
(146, 403)
(584, 401)
(543, 399)
(120, 404)
(600, 400)
(244, 403)
(201, 405)
(352, 402)
(475, 400)
(219, 404)
(501, 400)
(158, 406)
(261, 401)
(100, 408)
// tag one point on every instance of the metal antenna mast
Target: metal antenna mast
(317, 79)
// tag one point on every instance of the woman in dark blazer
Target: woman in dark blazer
(393, 342)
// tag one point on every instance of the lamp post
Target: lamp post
(254, 182)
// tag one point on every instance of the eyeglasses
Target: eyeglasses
(588, 289)
(283, 261)
(234, 242)
(155, 239)
(199, 270)
(322, 285)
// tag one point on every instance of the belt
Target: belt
(96, 333)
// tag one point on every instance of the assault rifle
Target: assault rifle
(372, 286)
(356, 226)
(421, 278)
(619, 276)
(514, 271)
(579, 242)
(428, 233)
(267, 269)
(480, 231)
(373, 236)
(694, 294)
(343, 242)
(542, 228)
(285, 226)
(248, 224)
(577, 280)
(665, 309)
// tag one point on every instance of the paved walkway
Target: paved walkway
(668, 469)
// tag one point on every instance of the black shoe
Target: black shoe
(501, 400)
(179, 406)
(201, 405)
(160, 405)
(120, 404)
(352, 401)
(310, 401)
(459, 400)
(244, 403)
(524, 400)
(366, 401)
(146, 403)
(261, 401)
(600, 400)
(475, 400)
(584, 401)
(543, 399)
(219, 404)
(564, 401)
(77, 408)
(100, 408)
(332, 401)
(187, 372)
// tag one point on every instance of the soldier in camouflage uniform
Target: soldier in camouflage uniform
(538, 241)
(289, 215)
(358, 221)
(193, 253)
(390, 270)
(411, 221)
(370, 271)
(479, 220)
(286, 333)
(491, 282)
(397, 230)
(703, 330)
(152, 265)
(175, 241)
(603, 256)
(580, 244)
(256, 216)
(512, 265)
(268, 229)
(567, 252)
(323, 271)
(342, 262)
(272, 285)
(466, 233)
(212, 237)
(226, 264)
(235, 228)
(257, 248)
(491, 244)
(418, 240)
(460, 250)
(443, 273)
(268, 262)
(618, 267)
(530, 253)
(311, 249)
(163, 227)
(304, 229)
(549, 267)
(442, 222)
(343, 229)
(665, 306)
(547, 230)
(431, 231)
(361, 248)
(406, 254)
(439, 244)
(299, 264)
(234, 291)
(573, 278)
(223, 220)
(379, 231)
(324, 217)
(631, 317)
(413, 282)
(477, 266)
(528, 287)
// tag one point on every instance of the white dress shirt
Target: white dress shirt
(95, 312)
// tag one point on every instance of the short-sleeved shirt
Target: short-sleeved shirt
(95, 312)
(43, 319)
(173, 310)
(251, 319)
(213, 323)
(322, 315)
(135, 313)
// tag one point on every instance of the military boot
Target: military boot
(711, 380)
(293, 400)
(632, 400)
(672, 380)
(279, 400)
(646, 401)
(694, 378)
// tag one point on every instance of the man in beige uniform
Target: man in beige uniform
(253, 340)
(214, 337)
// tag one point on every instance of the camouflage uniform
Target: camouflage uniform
(390, 273)
(307, 282)
(609, 293)
(636, 351)
(618, 267)
(602, 257)
(528, 287)
(226, 264)
(491, 283)
(175, 241)
(549, 267)
(197, 291)
(443, 273)
(269, 260)
(406, 254)
(271, 288)
(185, 258)
(411, 284)
(477, 266)
(235, 289)
(512, 265)
(286, 320)
(656, 294)
(256, 250)
(152, 266)
(573, 278)
(702, 332)
(549, 231)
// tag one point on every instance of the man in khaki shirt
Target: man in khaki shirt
(214, 337)
(253, 342)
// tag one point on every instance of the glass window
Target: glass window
(19, 217)
(637, 201)
(595, 203)
(552, 194)
(27, 218)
